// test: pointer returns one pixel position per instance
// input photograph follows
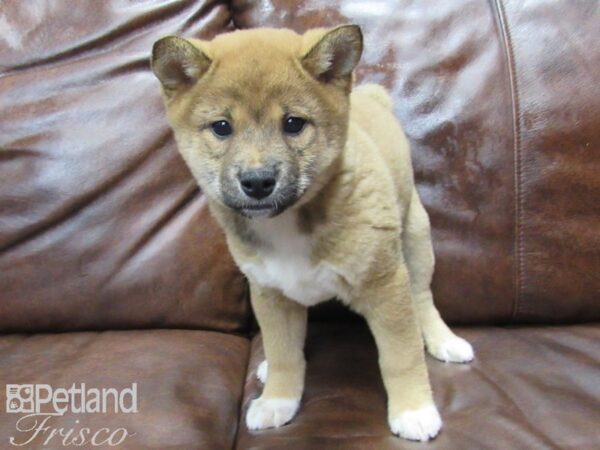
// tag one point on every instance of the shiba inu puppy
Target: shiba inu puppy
(313, 184)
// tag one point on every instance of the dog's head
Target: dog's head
(259, 115)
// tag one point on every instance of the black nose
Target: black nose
(258, 183)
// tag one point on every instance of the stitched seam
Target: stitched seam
(240, 408)
(235, 11)
(512, 80)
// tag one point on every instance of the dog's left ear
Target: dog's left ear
(177, 62)
(335, 55)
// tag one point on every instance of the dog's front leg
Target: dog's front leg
(386, 304)
(283, 327)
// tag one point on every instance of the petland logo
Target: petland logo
(41, 403)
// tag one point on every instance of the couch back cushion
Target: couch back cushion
(101, 224)
(501, 102)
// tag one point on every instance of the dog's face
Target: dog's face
(259, 115)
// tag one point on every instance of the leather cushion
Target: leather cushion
(527, 388)
(189, 384)
(500, 102)
(101, 223)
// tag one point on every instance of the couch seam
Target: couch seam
(507, 43)
(240, 421)
(232, 14)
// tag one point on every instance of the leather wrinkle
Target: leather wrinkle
(86, 200)
(189, 195)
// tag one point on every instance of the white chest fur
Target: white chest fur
(285, 262)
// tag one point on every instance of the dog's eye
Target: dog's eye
(221, 128)
(293, 125)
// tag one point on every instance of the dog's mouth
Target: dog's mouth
(269, 208)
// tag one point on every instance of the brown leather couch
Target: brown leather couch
(112, 271)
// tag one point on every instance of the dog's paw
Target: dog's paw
(451, 349)
(271, 413)
(262, 371)
(420, 424)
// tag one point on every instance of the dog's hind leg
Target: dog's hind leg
(440, 341)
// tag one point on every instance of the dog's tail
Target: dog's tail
(377, 93)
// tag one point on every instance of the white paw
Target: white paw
(420, 424)
(271, 413)
(453, 349)
(262, 371)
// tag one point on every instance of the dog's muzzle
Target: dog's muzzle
(260, 194)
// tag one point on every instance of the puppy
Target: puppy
(313, 185)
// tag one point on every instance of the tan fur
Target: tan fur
(357, 212)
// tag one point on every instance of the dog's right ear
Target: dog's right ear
(335, 55)
(177, 62)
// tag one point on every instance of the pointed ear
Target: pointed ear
(336, 54)
(176, 62)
